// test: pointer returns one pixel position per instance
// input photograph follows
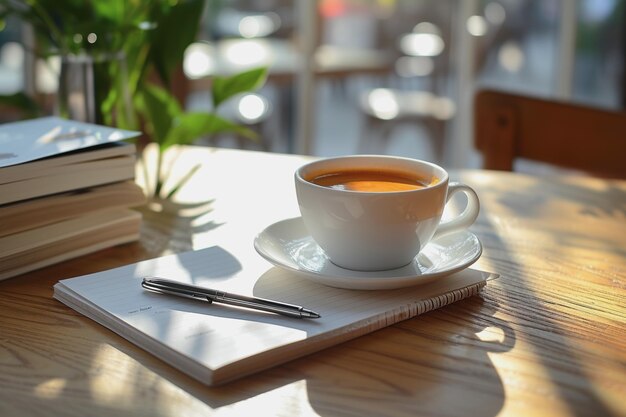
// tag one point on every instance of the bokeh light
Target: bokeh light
(477, 25)
(421, 44)
(252, 108)
(198, 60)
(383, 103)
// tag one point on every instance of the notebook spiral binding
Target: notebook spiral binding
(434, 303)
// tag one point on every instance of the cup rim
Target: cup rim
(442, 181)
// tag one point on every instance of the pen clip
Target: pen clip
(174, 288)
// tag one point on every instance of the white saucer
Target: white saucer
(287, 244)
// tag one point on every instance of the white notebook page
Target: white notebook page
(215, 342)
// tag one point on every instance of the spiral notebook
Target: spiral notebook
(216, 343)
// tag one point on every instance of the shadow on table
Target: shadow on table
(170, 227)
(442, 368)
(433, 359)
(527, 304)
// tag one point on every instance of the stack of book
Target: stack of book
(66, 189)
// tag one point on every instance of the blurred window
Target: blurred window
(11, 57)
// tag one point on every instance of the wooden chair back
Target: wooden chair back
(509, 126)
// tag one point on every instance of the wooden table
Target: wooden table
(547, 338)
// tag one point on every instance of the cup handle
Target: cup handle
(467, 217)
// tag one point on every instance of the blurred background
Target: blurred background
(377, 76)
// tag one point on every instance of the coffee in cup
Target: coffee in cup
(379, 180)
(377, 212)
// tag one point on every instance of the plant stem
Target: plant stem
(146, 176)
(168, 171)
(159, 183)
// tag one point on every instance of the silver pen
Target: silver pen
(166, 286)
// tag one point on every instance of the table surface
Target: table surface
(547, 338)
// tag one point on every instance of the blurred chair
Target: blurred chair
(509, 126)
(386, 109)
(416, 95)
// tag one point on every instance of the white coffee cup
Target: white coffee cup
(372, 231)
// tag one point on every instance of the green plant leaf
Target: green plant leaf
(226, 87)
(111, 10)
(176, 30)
(161, 109)
(191, 126)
